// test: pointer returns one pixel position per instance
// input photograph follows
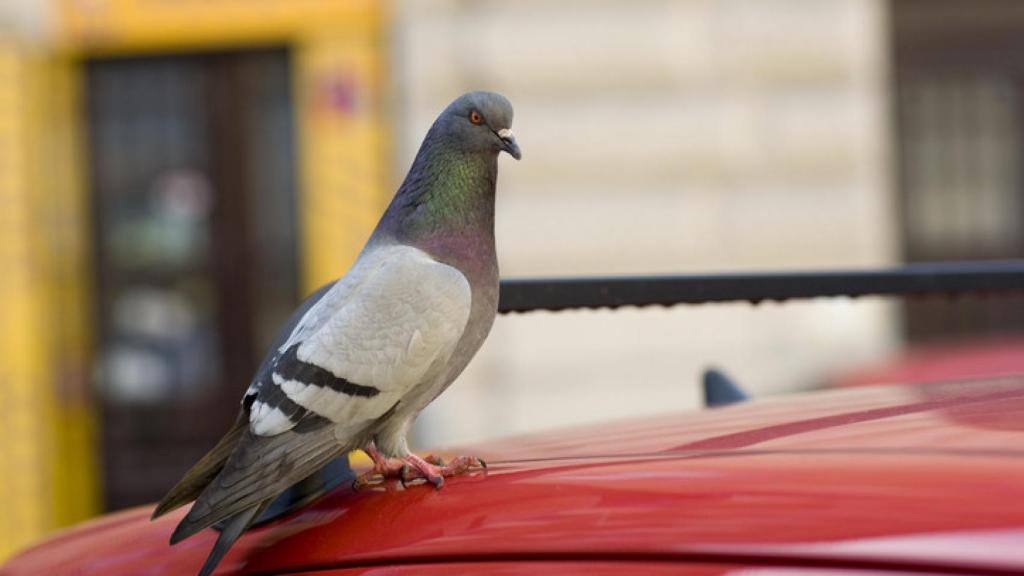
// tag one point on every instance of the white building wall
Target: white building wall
(660, 137)
(25, 20)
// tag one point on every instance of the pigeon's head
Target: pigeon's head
(479, 122)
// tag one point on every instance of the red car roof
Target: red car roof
(927, 477)
(974, 359)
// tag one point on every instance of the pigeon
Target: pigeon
(361, 357)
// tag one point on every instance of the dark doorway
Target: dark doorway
(193, 178)
(959, 114)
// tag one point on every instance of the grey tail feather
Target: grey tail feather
(195, 480)
(232, 530)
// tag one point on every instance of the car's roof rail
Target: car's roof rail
(937, 278)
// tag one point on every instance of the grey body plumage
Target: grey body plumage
(363, 356)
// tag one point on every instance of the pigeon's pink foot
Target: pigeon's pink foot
(383, 468)
(434, 470)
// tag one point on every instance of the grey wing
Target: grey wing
(260, 468)
(296, 318)
(262, 388)
(395, 329)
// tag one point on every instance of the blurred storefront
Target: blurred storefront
(159, 224)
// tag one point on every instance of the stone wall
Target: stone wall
(659, 137)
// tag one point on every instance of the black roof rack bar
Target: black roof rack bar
(939, 278)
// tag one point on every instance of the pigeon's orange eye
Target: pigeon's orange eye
(475, 117)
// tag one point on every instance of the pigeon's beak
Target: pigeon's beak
(509, 144)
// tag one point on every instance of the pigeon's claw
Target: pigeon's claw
(383, 468)
(411, 468)
(435, 460)
(464, 464)
(435, 470)
(411, 474)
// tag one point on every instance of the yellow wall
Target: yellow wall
(47, 470)
(342, 148)
(130, 26)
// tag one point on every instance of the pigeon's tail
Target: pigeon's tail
(197, 478)
(259, 469)
(233, 528)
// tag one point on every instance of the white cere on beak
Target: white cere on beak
(505, 133)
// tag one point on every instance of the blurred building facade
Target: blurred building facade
(176, 175)
(662, 137)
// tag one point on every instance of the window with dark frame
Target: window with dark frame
(958, 73)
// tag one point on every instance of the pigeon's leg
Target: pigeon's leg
(381, 463)
(383, 468)
(434, 470)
